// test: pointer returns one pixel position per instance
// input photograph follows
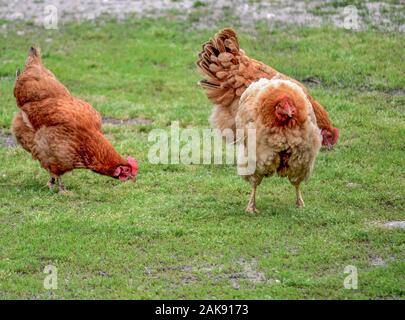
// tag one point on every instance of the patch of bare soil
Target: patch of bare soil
(378, 262)
(311, 81)
(7, 140)
(249, 273)
(394, 225)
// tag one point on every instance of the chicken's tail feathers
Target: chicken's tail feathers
(336, 133)
(224, 41)
(323, 121)
(219, 63)
(34, 56)
(322, 116)
(36, 82)
(34, 52)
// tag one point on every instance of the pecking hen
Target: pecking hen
(61, 131)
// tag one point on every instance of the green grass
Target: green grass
(181, 231)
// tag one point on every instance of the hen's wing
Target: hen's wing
(69, 112)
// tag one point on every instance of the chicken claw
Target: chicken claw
(51, 183)
(252, 209)
(61, 187)
(300, 203)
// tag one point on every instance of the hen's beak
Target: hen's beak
(329, 146)
(287, 110)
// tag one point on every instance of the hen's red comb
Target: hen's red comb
(134, 165)
(335, 135)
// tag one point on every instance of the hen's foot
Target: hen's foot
(62, 191)
(51, 183)
(61, 187)
(252, 209)
(300, 203)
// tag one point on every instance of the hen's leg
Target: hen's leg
(61, 187)
(300, 202)
(51, 183)
(251, 207)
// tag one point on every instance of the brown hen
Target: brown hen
(287, 139)
(61, 131)
(228, 71)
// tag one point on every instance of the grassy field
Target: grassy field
(181, 231)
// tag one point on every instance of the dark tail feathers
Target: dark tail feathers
(34, 52)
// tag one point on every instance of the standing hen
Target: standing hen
(287, 136)
(61, 131)
(228, 71)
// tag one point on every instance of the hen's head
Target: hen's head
(128, 171)
(330, 137)
(284, 109)
(282, 105)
